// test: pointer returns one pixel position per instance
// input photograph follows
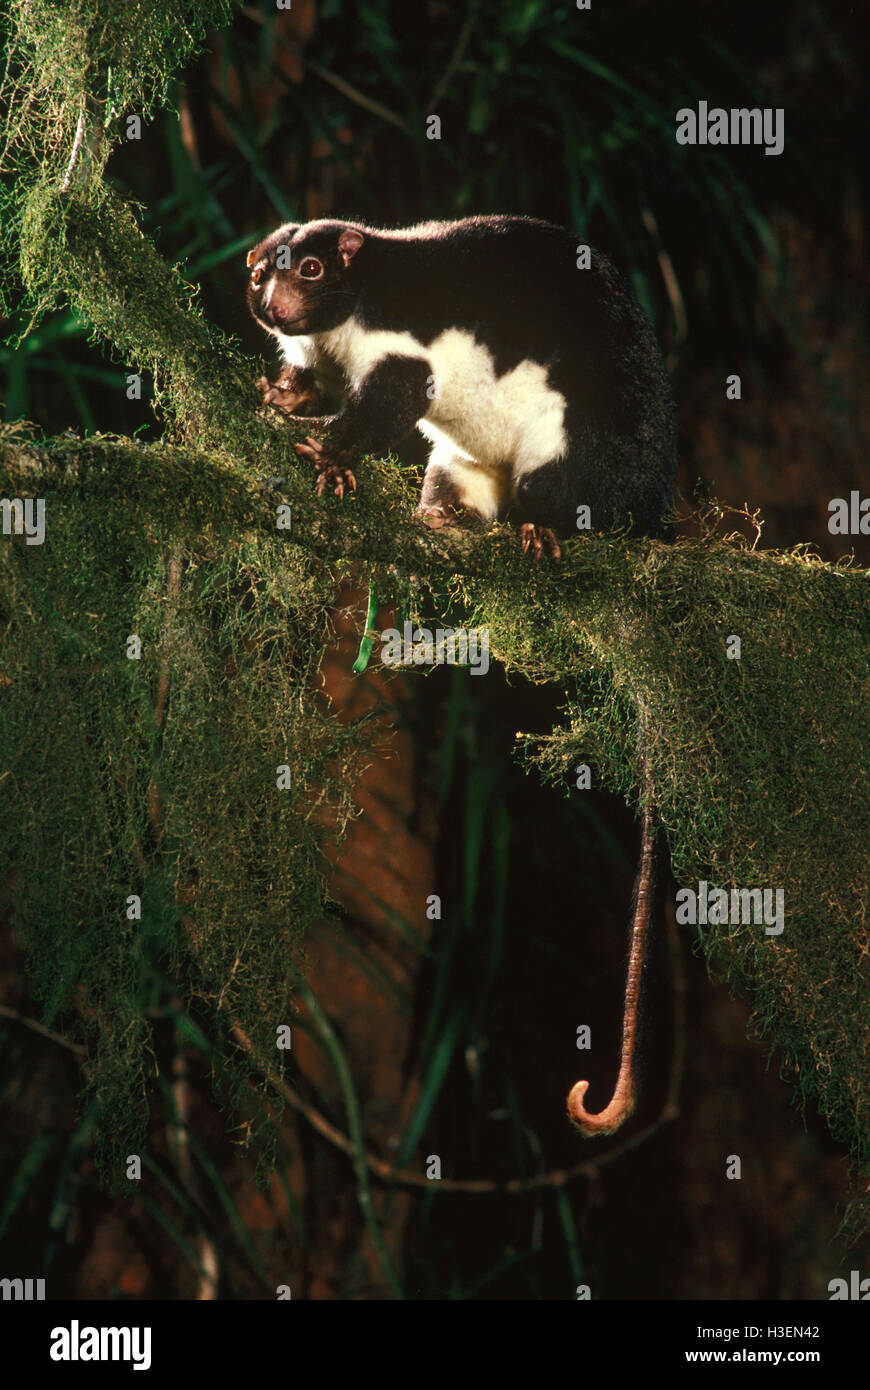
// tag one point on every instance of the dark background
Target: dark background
(460, 1033)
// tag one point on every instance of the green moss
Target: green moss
(157, 776)
(758, 765)
(760, 772)
(95, 61)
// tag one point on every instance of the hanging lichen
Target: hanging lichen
(155, 776)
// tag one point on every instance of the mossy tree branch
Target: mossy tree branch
(759, 765)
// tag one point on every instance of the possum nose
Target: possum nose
(277, 314)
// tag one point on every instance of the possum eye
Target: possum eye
(311, 268)
(256, 275)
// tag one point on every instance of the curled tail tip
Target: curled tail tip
(607, 1121)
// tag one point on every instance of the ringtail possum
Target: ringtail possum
(522, 356)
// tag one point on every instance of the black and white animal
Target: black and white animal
(539, 382)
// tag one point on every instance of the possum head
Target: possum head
(302, 278)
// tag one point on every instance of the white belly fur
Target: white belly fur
(513, 422)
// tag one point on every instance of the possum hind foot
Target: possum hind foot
(333, 466)
(540, 540)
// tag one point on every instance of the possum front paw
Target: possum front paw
(541, 540)
(333, 466)
(294, 392)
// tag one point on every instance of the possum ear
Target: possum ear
(252, 256)
(348, 244)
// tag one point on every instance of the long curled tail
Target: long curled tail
(621, 1103)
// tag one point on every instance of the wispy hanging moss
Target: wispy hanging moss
(760, 771)
(157, 777)
(758, 765)
(71, 72)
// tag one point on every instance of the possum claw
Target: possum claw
(338, 475)
(540, 539)
(288, 394)
(312, 448)
(337, 471)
